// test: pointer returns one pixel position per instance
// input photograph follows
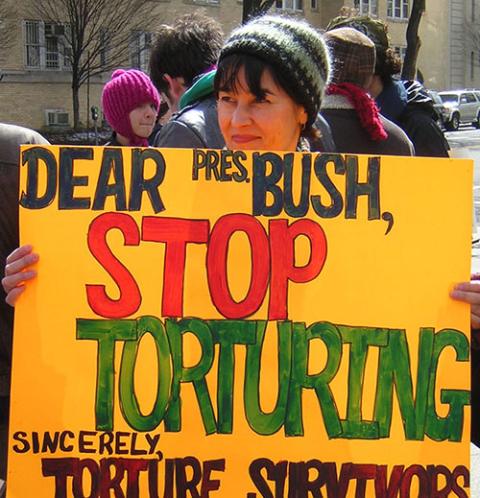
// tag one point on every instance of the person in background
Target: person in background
(11, 137)
(356, 124)
(269, 84)
(130, 103)
(406, 103)
(181, 55)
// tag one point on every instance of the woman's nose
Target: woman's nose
(149, 112)
(241, 115)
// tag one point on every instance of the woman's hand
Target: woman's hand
(18, 271)
(469, 292)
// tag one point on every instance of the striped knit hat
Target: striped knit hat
(293, 48)
(127, 90)
(353, 56)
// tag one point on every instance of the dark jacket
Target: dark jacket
(408, 104)
(113, 142)
(195, 126)
(418, 122)
(11, 137)
(350, 137)
(325, 143)
(153, 135)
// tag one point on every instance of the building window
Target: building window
(291, 5)
(314, 4)
(52, 55)
(32, 43)
(397, 9)
(367, 7)
(104, 47)
(46, 46)
(140, 50)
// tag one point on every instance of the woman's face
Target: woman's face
(271, 123)
(142, 120)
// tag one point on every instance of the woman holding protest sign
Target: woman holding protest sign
(269, 85)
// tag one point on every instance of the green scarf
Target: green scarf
(202, 87)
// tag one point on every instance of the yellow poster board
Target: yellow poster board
(241, 325)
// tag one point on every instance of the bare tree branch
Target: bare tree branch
(413, 41)
(98, 34)
(472, 34)
(254, 8)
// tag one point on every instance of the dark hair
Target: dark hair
(226, 79)
(387, 64)
(185, 49)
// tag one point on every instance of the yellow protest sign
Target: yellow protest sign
(240, 325)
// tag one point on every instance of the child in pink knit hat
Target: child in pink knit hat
(130, 104)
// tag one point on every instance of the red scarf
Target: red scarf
(365, 107)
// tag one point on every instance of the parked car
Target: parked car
(463, 107)
(442, 112)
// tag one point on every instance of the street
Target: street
(465, 143)
(466, 136)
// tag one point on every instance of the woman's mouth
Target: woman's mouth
(243, 139)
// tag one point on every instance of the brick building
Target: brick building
(35, 89)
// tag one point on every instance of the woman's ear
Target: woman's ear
(302, 117)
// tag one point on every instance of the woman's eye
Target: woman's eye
(262, 100)
(226, 98)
